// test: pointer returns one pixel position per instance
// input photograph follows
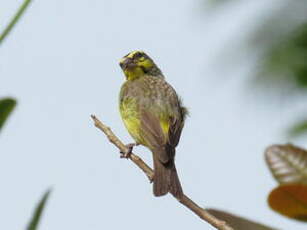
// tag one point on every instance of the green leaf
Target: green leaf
(6, 107)
(238, 223)
(298, 129)
(38, 212)
(288, 163)
(14, 20)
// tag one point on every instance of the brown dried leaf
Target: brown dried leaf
(287, 163)
(238, 223)
(290, 200)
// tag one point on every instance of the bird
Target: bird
(154, 116)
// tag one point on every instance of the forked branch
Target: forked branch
(186, 201)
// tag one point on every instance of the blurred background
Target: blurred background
(240, 67)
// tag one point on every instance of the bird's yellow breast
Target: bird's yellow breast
(129, 113)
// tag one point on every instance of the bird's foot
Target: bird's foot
(127, 154)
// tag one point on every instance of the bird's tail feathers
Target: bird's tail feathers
(165, 177)
(175, 186)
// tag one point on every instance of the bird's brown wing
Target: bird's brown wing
(162, 100)
(153, 134)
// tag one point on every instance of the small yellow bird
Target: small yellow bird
(154, 116)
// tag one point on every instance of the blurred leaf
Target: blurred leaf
(284, 61)
(14, 20)
(287, 163)
(298, 129)
(38, 212)
(6, 107)
(290, 200)
(236, 222)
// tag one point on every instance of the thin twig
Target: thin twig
(186, 201)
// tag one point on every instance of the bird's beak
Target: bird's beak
(127, 63)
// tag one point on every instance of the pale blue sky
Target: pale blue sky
(61, 63)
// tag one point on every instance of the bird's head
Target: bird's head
(137, 64)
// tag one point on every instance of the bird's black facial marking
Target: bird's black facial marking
(137, 56)
(144, 69)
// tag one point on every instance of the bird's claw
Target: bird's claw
(127, 154)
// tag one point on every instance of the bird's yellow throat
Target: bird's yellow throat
(134, 73)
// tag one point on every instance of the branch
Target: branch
(186, 201)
